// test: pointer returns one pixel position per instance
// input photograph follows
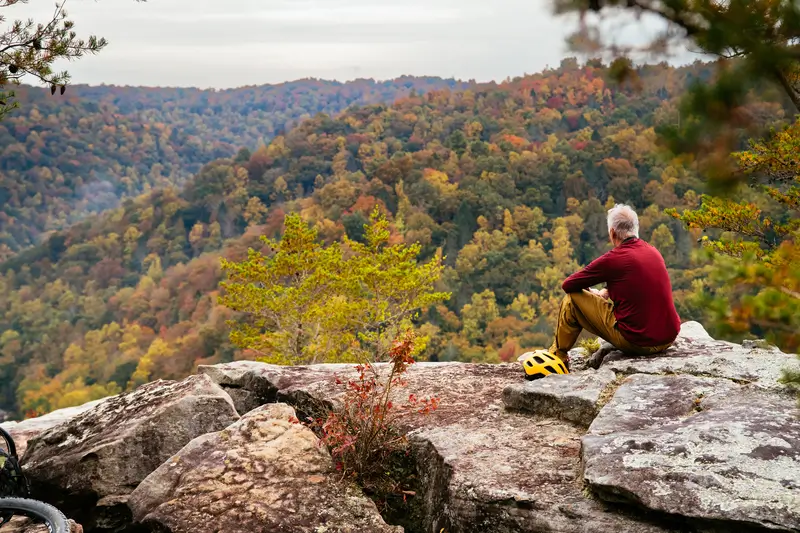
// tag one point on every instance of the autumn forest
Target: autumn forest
(117, 204)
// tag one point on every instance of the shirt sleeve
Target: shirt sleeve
(595, 272)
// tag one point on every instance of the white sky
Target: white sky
(230, 43)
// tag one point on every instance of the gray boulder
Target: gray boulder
(501, 472)
(706, 449)
(25, 430)
(96, 459)
(262, 473)
(572, 397)
(252, 384)
(696, 353)
(310, 389)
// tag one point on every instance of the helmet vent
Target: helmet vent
(550, 369)
(538, 359)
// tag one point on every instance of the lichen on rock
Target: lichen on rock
(27, 429)
(696, 353)
(702, 448)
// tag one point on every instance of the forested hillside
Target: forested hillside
(510, 182)
(63, 157)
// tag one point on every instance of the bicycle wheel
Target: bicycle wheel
(7, 443)
(21, 515)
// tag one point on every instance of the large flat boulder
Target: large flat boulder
(643, 401)
(696, 353)
(25, 430)
(707, 449)
(95, 460)
(262, 473)
(572, 397)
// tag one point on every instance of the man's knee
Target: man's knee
(576, 298)
(582, 302)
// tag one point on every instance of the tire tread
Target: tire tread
(52, 516)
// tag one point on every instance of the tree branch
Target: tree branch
(783, 80)
(675, 18)
(40, 32)
(790, 292)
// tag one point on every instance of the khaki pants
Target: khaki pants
(584, 310)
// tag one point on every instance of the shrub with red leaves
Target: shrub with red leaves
(363, 434)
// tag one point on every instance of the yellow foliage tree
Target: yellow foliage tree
(307, 303)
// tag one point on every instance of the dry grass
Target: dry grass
(610, 390)
(590, 345)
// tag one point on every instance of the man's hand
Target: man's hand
(601, 293)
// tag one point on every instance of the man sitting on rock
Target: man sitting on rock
(635, 313)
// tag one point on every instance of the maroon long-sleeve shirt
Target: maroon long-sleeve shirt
(638, 283)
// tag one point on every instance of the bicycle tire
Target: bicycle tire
(54, 519)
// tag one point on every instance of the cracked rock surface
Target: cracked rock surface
(482, 468)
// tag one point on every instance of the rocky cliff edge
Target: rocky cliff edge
(701, 438)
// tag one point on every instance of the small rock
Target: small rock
(577, 359)
(597, 358)
(572, 397)
(694, 330)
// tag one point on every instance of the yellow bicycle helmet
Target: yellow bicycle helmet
(541, 363)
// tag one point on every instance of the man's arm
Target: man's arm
(592, 274)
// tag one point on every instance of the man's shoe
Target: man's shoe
(597, 357)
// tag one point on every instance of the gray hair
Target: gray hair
(623, 220)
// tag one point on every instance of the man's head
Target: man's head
(622, 223)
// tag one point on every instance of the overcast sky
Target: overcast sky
(230, 43)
